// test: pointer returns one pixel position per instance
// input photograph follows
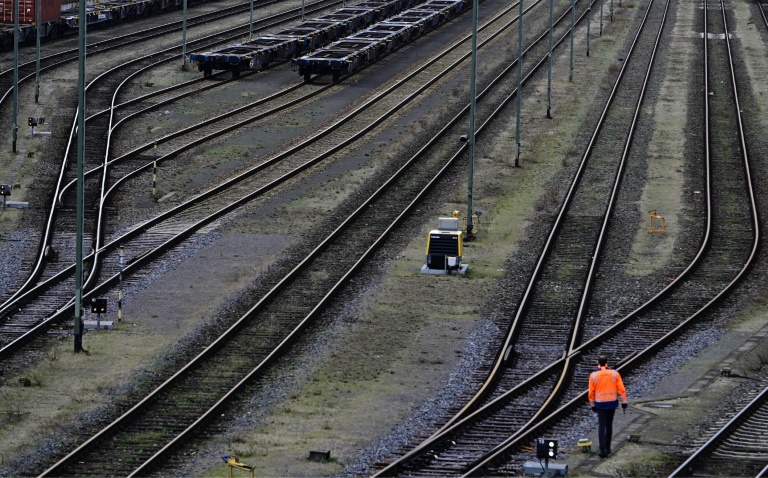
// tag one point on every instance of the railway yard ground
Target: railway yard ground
(389, 356)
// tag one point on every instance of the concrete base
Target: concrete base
(534, 468)
(460, 271)
(104, 325)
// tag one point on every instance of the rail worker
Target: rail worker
(605, 391)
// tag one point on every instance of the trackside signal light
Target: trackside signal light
(546, 448)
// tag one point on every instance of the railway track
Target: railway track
(69, 56)
(738, 448)
(370, 221)
(31, 313)
(733, 238)
(549, 317)
(61, 216)
(726, 254)
(248, 346)
(120, 470)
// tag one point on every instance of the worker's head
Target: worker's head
(602, 360)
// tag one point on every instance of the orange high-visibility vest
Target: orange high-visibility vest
(606, 389)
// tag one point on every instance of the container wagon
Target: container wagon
(50, 18)
(57, 17)
(348, 55)
(297, 40)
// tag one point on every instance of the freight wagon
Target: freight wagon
(50, 18)
(348, 55)
(57, 17)
(297, 40)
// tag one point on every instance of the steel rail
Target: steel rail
(13, 346)
(525, 301)
(574, 352)
(707, 449)
(362, 208)
(638, 358)
(461, 419)
(210, 121)
(13, 301)
(104, 168)
(592, 274)
(48, 229)
(346, 276)
(207, 122)
(742, 140)
(103, 47)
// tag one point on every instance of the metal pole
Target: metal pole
(15, 72)
(472, 104)
(549, 68)
(78, 332)
(573, 29)
(302, 11)
(250, 30)
(519, 81)
(37, 53)
(184, 38)
(611, 10)
(601, 17)
(120, 288)
(589, 15)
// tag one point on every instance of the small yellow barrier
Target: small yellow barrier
(234, 463)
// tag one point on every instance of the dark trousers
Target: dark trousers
(605, 428)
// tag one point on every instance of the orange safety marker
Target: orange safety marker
(659, 220)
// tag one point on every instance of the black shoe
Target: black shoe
(608, 452)
(602, 454)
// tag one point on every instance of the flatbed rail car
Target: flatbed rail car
(297, 40)
(346, 56)
(260, 51)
